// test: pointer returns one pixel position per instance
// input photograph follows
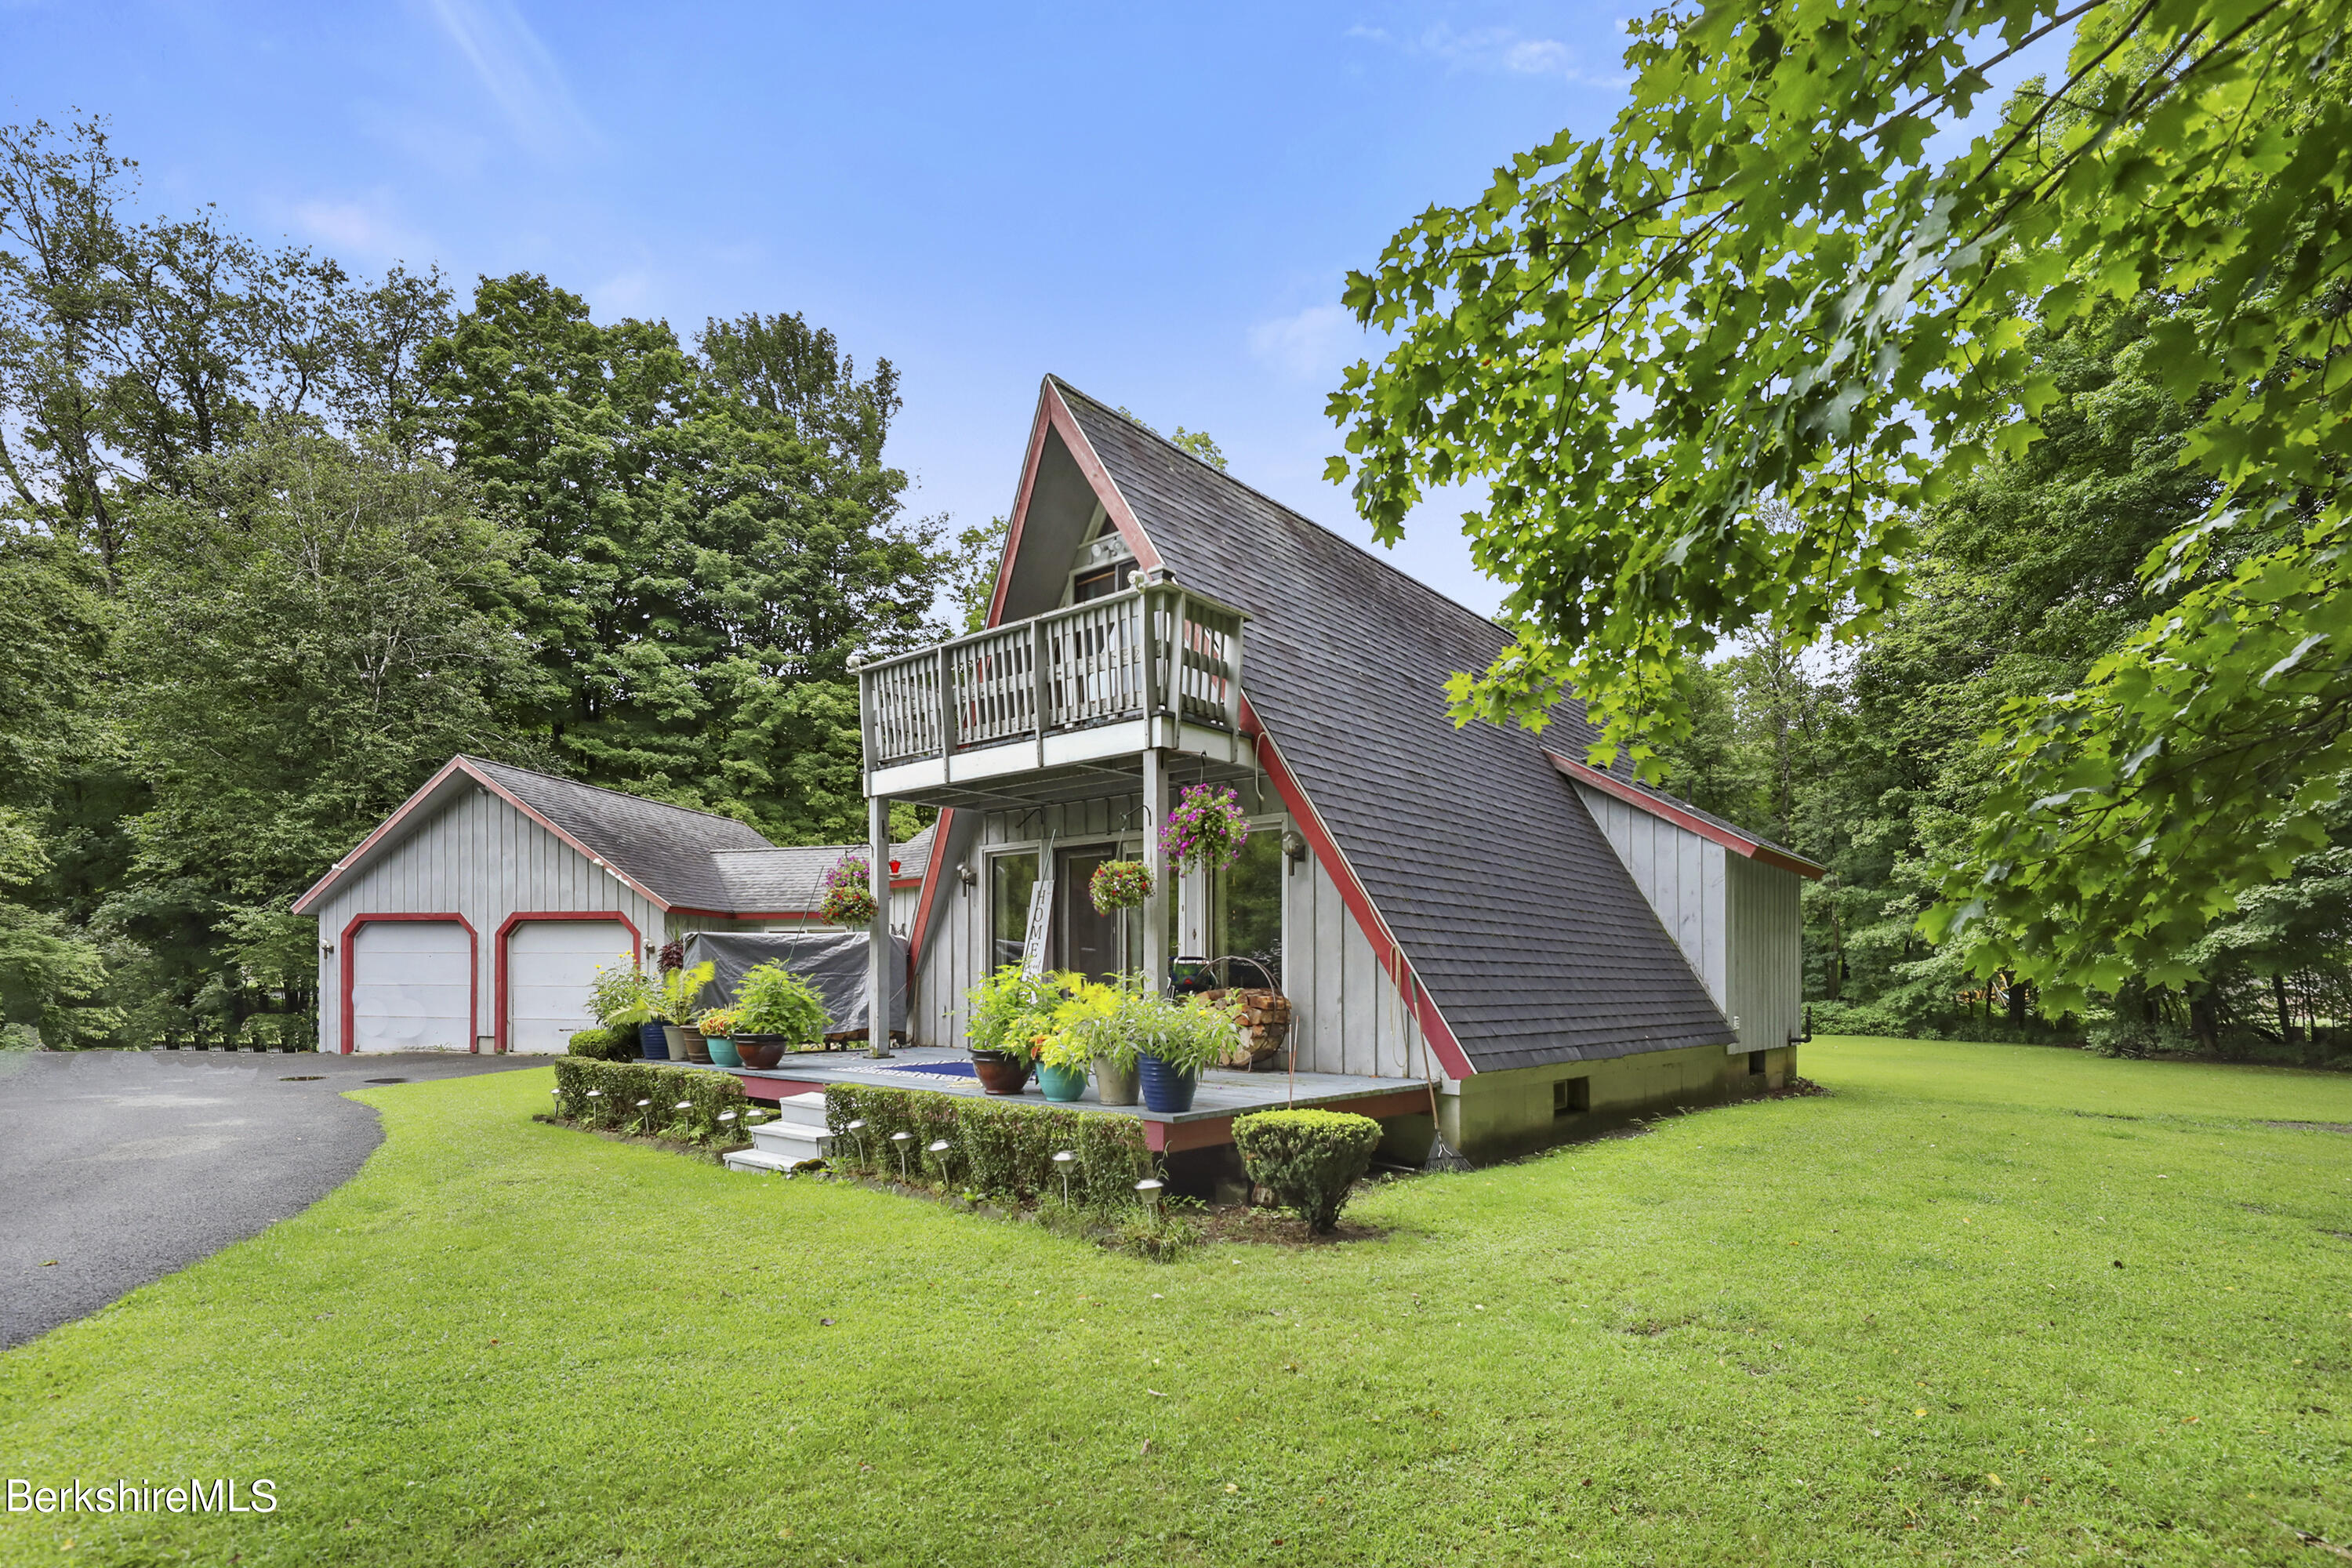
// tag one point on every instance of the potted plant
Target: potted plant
(1119, 885)
(677, 1004)
(848, 893)
(1011, 1013)
(774, 1011)
(1065, 1054)
(1113, 1044)
(1179, 1039)
(621, 998)
(1205, 828)
(717, 1026)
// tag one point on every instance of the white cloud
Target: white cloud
(1311, 344)
(1495, 50)
(517, 71)
(364, 229)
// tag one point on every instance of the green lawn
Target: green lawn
(1810, 1331)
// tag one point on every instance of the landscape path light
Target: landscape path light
(1062, 1163)
(940, 1148)
(857, 1130)
(1149, 1187)
(902, 1138)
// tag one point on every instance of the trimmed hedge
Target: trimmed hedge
(606, 1044)
(999, 1148)
(605, 1095)
(1307, 1159)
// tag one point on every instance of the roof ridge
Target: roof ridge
(1365, 551)
(624, 794)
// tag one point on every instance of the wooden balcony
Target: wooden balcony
(1061, 706)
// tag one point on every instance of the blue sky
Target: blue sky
(1157, 202)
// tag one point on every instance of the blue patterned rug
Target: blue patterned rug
(941, 1069)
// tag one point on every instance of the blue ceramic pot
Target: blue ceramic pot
(722, 1050)
(652, 1043)
(1061, 1083)
(1165, 1089)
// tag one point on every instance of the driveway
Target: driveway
(118, 1167)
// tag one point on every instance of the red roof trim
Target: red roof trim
(319, 888)
(930, 884)
(1714, 832)
(1052, 414)
(1433, 1026)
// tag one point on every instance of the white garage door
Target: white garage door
(549, 966)
(412, 986)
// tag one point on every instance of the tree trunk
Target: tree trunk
(2017, 1002)
(2204, 1016)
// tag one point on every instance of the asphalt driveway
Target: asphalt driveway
(118, 1167)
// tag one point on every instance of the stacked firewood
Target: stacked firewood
(1264, 1025)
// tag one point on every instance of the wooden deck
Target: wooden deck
(1222, 1095)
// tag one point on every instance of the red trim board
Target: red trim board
(1433, 1026)
(473, 986)
(319, 888)
(506, 927)
(1052, 414)
(1665, 810)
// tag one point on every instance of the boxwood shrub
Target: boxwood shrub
(606, 1044)
(605, 1095)
(1001, 1148)
(1307, 1159)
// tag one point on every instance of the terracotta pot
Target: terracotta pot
(697, 1048)
(759, 1051)
(1000, 1072)
(1115, 1085)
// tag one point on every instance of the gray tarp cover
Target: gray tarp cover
(832, 962)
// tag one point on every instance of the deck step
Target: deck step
(758, 1161)
(790, 1144)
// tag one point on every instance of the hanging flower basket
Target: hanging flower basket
(848, 894)
(1119, 885)
(1206, 828)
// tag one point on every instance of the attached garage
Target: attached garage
(412, 985)
(549, 962)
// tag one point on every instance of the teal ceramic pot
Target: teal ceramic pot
(1062, 1083)
(722, 1050)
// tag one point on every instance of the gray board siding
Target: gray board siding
(1347, 1015)
(1523, 924)
(476, 857)
(1736, 921)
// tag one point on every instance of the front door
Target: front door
(1090, 944)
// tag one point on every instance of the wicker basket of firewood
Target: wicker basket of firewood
(1263, 1029)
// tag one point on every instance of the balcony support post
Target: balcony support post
(880, 954)
(1155, 862)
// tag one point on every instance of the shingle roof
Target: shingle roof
(1524, 925)
(665, 849)
(688, 859)
(788, 880)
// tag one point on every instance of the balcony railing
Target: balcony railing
(1159, 655)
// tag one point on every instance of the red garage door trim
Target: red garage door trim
(473, 973)
(506, 929)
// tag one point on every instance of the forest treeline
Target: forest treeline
(277, 540)
(1872, 762)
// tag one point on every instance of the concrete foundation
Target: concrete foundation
(1495, 1115)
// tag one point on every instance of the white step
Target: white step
(792, 1141)
(753, 1159)
(800, 1109)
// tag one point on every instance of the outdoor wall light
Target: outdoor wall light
(964, 874)
(1062, 1163)
(902, 1138)
(1294, 845)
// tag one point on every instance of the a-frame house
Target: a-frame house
(1548, 943)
